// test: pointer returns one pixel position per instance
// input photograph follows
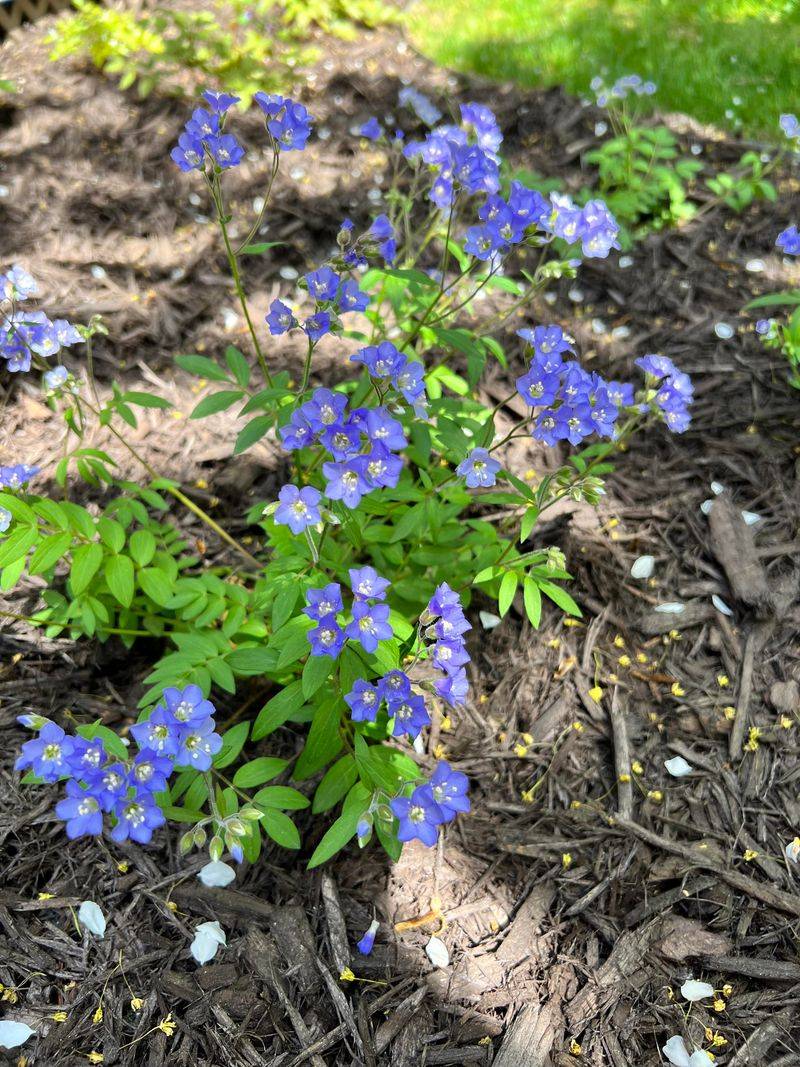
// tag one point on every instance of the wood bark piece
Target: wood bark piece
(625, 969)
(753, 1052)
(733, 544)
(622, 757)
(539, 1026)
(337, 928)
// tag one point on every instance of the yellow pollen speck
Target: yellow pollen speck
(752, 739)
(201, 483)
(578, 727)
(750, 854)
(520, 750)
(137, 1003)
(575, 1047)
(652, 716)
(677, 690)
(172, 905)
(566, 860)
(719, 1004)
(554, 642)
(526, 796)
(675, 635)
(502, 736)
(624, 777)
(438, 752)
(575, 804)
(723, 681)
(123, 867)
(95, 1057)
(167, 1026)
(614, 678)
(527, 739)
(59, 1017)
(482, 699)
(529, 474)
(786, 722)
(446, 724)
(729, 712)
(619, 641)
(655, 795)
(636, 767)
(98, 1015)
(347, 975)
(595, 693)
(624, 661)
(494, 925)
(641, 657)
(45, 896)
(612, 523)
(572, 622)
(727, 989)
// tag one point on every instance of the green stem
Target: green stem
(67, 625)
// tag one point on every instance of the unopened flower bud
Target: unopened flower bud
(216, 847)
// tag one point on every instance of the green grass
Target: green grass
(703, 54)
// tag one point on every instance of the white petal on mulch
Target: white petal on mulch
(489, 621)
(678, 767)
(216, 874)
(676, 1052)
(12, 1034)
(672, 607)
(437, 952)
(793, 850)
(621, 333)
(707, 505)
(600, 128)
(717, 488)
(720, 604)
(724, 330)
(692, 990)
(625, 262)
(755, 266)
(207, 939)
(643, 567)
(91, 916)
(750, 518)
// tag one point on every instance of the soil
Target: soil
(587, 885)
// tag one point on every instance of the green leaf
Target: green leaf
(281, 796)
(262, 246)
(344, 828)
(338, 779)
(232, 744)
(256, 660)
(156, 585)
(11, 574)
(277, 710)
(258, 771)
(18, 508)
(324, 740)
(49, 552)
(316, 671)
(508, 587)
(112, 533)
(146, 400)
(533, 601)
(281, 829)
(215, 402)
(17, 544)
(560, 597)
(238, 365)
(252, 432)
(202, 367)
(142, 547)
(119, 576)
(86, 562)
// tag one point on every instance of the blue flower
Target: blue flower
(449, 790)
(674, 390)
(5, 519)
(370, 625)
(346, 482)
(188, 154)
(219, 102)
(323, 284)
(203, 124)
(317, 325)
(394, 686)
(367, 942)
(367, 584)
(225, 150)
(419, 104)
(298, 508)
(17, 284)
(789, 241)
(419, 817)
(478, 469)
(409, 713)
(187, 706)
(280, 318)
(157, 733)
(790, 126)
(342, 440)
(87, 757)
(538, 388)
(547, 341)
(326, 638)
(198, 744)
(137, 818)
(288, 122)
(449, 655)
(363, 701)
(350, 297)
(381, 234)
(371, 129)
(150, 771)
(453, 688)
(298, 432)
(109, 785)
(445, 607)
(321, 603)
(80, 810)
(47, 755)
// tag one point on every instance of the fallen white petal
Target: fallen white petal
(672, 607)
(643, 567)
(717, 488)
(723, 330)
(720, 604)
(706, 506)
(678, 767)
(693, 990)
(793, 850)
(92, 918)
(676, 1052)
(489, 621)
(12, 1034)
(207, 939)
(437, 952)
(755, 266)
(216, 874)
(750, 518)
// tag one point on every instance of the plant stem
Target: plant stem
(66, 625)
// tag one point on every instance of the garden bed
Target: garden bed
(576, 902)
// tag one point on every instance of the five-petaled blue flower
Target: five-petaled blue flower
(298, 508)
(419, 816)
(479, 468)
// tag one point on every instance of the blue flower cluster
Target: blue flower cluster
(333, 296)
(288, 125)
(203, 136)
(17, 476)
(391, 368)
(789, 241)
(26, 333)
(790, 126)
(369, 614)
(622, 88)
(574, 403)
(423, 108)
(461, 157)
(446, 625)
(361, 441)
(405, 706)
(180, 733)
(673, 391)
(378, 240)
(431, 805)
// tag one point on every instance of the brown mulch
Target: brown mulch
(588, 884)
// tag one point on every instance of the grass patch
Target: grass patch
(730, 62)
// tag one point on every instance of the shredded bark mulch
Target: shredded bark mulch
(587, 884)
